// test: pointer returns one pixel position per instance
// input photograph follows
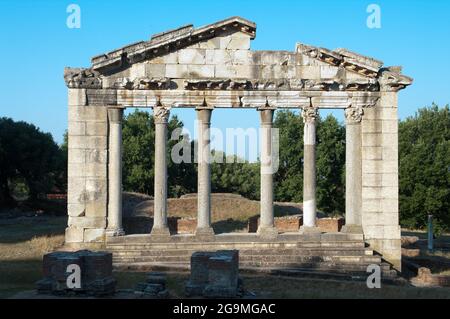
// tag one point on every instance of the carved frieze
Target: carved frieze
(77, 78)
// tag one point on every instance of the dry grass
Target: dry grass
(23, 242)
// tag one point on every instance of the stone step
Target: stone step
(239, 246)
(265, 262)
(253, 252)
(240, 238)
(388, 276)
(264, 259)
(347, 269)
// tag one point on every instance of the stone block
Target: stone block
(308, 72)
(96, 128)
(379, 166)
(74, 234)
(237, 71)
(94, 235)
(97, 208)
(390, 126)
(329, 72)
(101, 97)
(192, 56)
(380, 219)
(220, 57)
(76, 189)
(275, 58)
(96, 273)
(214, 274)
(213, 43)
(371, 126)
(88, 222)
(278, 71)
(370, 192)
(137, 70)
(330, 225)
(372, 153)
(77, 97)
(88, 142)
(201, 71)
(76, 128)
(170, 58)
(76, 209)
(242, 57)
(388, 99)
(235, 41)
(97, 156)
(155, 70)
(372, 139)
(76, 156)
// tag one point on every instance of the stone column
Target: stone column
(160, 226)
(204, 228)
(353, 170)
(309, 115)
(266, 225)
(115, 173)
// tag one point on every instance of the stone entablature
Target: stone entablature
(213, 67)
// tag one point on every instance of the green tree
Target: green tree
(28, 154)
(139, 156)
(288, 180)
(424, 181)
(330, 166)
(330, 161)
(235, 176)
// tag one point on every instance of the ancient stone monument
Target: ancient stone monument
(214, 274)
(213, 67)
(95, 270)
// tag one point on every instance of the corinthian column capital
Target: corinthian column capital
(161, 114)
(309, 114)
(353, 115)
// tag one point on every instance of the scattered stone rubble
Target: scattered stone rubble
(96, 274)
(154, 286)
(215, 275)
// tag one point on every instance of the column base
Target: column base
(115, 232)
(205, 234)
(160, 233)
(267, 232)
(352, 229)
(309, 230)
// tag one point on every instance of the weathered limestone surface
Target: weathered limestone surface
(87, 169)
(380, 215)
(214, 274)
(211, 67)
(95, 273)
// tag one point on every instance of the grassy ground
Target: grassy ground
(24, 240)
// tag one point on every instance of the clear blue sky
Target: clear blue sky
(36, 45)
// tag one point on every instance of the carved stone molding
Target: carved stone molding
(392, 81)
(143, 84)
(309, 114)
(353, 115)
(76, 78)
(161, 114)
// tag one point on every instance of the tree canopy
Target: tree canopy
(29, 155)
